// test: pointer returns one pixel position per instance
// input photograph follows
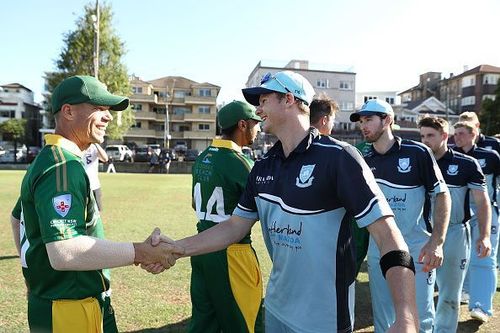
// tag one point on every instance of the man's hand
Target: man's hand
(483, 247)
(159, 257)
(431, 256)
(155, 239)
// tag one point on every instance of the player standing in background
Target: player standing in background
(407, 174)
(482, 271)
(464, 179)
(226, 286)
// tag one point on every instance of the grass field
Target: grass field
(133, 205)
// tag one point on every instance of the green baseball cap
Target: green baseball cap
(86, 89)
(231, 113)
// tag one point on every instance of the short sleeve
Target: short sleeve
(430, 174)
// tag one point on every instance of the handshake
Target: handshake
(157, 253)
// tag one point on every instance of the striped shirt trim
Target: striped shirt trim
(385, 182)
(327, 146)
(285, 207)
(61, 169)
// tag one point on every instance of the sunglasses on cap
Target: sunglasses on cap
(268, 77)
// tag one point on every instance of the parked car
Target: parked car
(120, 153)
(191, 155)
(8, 157)
(32, 152)
(180, 147)
(142, 154)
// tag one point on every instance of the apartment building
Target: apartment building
(18, 102)
(338, 85)
(173, 110)
(390, 97)
(460, 93)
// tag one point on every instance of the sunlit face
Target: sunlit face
(90, 123)
(272, 111)
(372, 127)
(463, 137)
(253, 128)
(433, 138)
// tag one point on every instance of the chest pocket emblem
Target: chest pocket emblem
(305, 176)
(482, 162)
(404, 165)
(452, 170)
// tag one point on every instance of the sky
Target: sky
(387, 43)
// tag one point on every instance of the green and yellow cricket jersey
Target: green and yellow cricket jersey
(57, 204)
(219, 177)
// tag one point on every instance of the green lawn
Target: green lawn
(133, 205)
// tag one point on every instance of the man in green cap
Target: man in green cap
(226, 286)
(63, 252)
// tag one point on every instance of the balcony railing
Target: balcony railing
(139, 132)
(134, 98)
(209, 100)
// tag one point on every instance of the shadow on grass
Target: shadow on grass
(8, 257)
(363, 317)
(179, 327)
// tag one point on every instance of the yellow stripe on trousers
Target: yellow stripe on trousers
(246, 281)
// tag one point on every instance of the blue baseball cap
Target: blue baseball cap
(282, 82)
(373, 107)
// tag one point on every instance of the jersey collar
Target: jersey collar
(58, 140)
(229, 144)
(277, 149)
(395, 147)
(448, 155)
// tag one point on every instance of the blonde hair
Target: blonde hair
(466, 124)
(469, 116)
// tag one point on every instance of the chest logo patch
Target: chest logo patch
(305, 176)
(404, 165)
(206, 160)
(62, 204)
(482, 162)
(452, 170)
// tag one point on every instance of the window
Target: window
(204, 127)
(181, 110)
(491, 79)
(179, 94)
(160, 109)
(137, 124)
(468, 81)
(137, 107)
(205, 92)
(346, 106)
(8, 114)
(345, 85)
(183, 128)
(390, 100)
(137, 90)
(322, 83)
(492, 97)
(469, 100)
(204, 109)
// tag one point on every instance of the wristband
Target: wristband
(396, 258)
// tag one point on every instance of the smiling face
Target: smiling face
(272, 111)
(89, 123)
(464, 137)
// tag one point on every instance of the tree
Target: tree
(14, 129)
(76, 58)
(490, 114)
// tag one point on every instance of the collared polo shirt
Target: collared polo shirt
(461, 173)
(409, 176)
(306, 203)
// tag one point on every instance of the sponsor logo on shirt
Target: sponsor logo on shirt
(62, 204)
(305, 176)
(452, 170)
(259, 180)
(404, 165)
(57, 223)
(397, 202)
(285, 236)
(206, 159)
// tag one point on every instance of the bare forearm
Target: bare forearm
(216, 238)
(441, 218)
(483, 213)
(15, 224)
(85, 253)
(101, 153)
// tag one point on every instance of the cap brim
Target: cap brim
(252, 95)
(115, 102)
(355, 116)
